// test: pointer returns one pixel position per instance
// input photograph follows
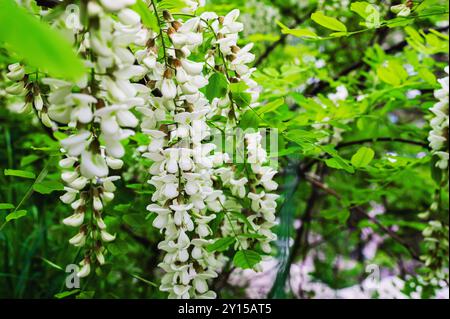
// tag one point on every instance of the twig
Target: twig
(316, 88)
(283, 37)
(361, 211)
(383, 139)
(140, 239)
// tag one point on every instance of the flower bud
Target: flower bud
(167, 16)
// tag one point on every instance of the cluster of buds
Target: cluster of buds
(29, 92)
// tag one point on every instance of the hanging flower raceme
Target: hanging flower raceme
(255, 182)
(175, 121)
(97, 112)
(438, 136)
(188, 194)
(436, 232)
(162, 74)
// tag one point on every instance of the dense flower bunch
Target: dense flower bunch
(161, 73)
(94, 112)
(436, 233)
(101, 118)
(184, 200)
(185, 172)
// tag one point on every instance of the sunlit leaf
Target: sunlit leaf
(328, 22)
(246, 259)
(37, 43)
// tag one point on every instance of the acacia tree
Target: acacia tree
(155, 123)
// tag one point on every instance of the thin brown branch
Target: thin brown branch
(361, 211)
(383, 139)
(283, 37)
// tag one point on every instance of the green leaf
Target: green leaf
(221, 244)
(65, 294)
(172, 5)
(270, 107)
(368, 12)
(27, 160)
(328, 22)
(362, 157)
(427, 75)
(122, 208)
(148, 282)
(6, 206)
(305, 139)
(399, 22)
(216, 222)
(47, 187)
(392, 73)
(52, 264)
(249, 120)
(16, 215)
(148, 17)
(337, 159)
(300, 33)
(89, 294)
(331, 162)
(338, 34)
(140, 138)
(217, 86)
(246, 259)
(436, 172)
(37, 43)
(360, 7)
(19, 173)
(240, 97)
(60, 135)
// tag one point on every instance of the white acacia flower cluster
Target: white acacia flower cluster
(257, 185)
(97, 110)
(185, 172)
(161, 74)
(184, 200)
(436, 233)
(438, 136)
